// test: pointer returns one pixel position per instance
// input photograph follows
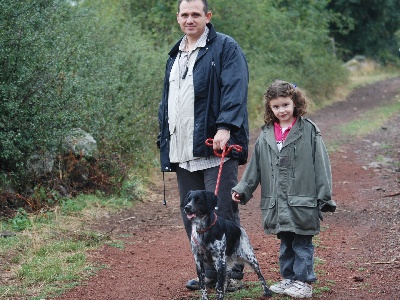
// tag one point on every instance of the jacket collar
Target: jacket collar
(294, 134)
(281, 135)
(212, 34)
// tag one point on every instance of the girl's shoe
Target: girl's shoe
(299, 289)
(280, 287)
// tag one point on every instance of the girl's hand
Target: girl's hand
(236, 197)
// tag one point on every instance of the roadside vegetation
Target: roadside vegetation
(98, 65)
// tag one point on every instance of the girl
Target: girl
(291, 164)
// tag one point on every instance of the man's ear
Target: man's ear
(209, 15)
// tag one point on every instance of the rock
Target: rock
(374, 164)
(356, 63)
(40, 164)
(7, 233)
(80, 143)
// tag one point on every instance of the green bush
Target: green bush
(32, 57)
(67, 66)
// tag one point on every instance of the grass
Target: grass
(365, 124)
(370, 73)
(371, 120)
(48, 255)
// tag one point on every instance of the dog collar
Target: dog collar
(209, 227)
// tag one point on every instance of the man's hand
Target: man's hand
(221, 138)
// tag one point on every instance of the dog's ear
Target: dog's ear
(212, 201)
(188, 196)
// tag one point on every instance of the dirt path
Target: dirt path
(358, 249)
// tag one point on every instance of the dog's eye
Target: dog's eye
(197, 199)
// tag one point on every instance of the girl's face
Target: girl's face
(283, 108)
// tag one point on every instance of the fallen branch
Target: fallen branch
(393, 261)
(392, 195)
(127, 219)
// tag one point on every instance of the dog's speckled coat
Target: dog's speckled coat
(218, 242)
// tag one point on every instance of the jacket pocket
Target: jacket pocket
(269, 212)
(304, 212)
(303, 201)
(267, 202)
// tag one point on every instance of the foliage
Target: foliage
(20, 221)
(33, 55)
(371, 31)
(289, 41)
(121, 103)
(281, 39)
(156, 19)
(66, 66)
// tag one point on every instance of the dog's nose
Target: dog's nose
(187, 208)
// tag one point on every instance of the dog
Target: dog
(217, 242)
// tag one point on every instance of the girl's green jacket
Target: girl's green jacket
(296, 182)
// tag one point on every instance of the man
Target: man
(204, 96)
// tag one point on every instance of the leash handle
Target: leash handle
(225, 151)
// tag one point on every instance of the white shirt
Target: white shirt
(181, 110)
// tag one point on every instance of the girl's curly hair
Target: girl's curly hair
(281, 88)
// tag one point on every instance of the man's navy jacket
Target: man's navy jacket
(220, 79)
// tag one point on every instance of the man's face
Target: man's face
(192, 18)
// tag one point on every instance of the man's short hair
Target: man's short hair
(205, 2)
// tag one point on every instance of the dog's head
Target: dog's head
(200, 203)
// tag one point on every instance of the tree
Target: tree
(282, 39)
(372, 30)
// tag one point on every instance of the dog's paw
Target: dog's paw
(267, 294)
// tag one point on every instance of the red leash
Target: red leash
(225, 151)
